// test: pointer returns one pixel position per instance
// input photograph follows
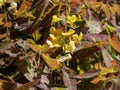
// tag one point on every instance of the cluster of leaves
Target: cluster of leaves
(59, 44)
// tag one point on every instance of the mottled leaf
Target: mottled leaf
(24, 44)
(69, 83)
(87, 75)
(106, 57)
(23, 26)
(46, 79)
(4, 46)
(11, 53)
(94, 24)
(95, 37)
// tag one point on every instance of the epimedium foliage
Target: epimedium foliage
(59, 44)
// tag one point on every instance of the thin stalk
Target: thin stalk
(66, 14)
(45, 3)
(8, 32)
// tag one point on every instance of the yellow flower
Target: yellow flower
(52, 30)
(69, 47)
(55, 19)
(52, 36)
(51, 44)
(70, 32)
(71, 19)
(2, 2)
(55, 32)
(56, 41)
(77, 38)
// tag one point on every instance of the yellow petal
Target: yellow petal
(80, 36)
(70, 32)
(52, 36)
(72, 46)
(50, 43)
(71, 19)
(69, 47)
(77, 38)
(52, 30)
(55, 19)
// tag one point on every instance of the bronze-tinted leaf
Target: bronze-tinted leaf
(2, 16)
(54, 64)
(94, 4)
(25, 5)
(7, 85)
(89, 49)
(27, 86)
(115, 43)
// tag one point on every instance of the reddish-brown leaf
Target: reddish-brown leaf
(88, 49)
(7, 85)
(2, 16)
(54, 64)
(27, 86)
(106, 9)
(94, 4)
(25, 4)
(114, 41)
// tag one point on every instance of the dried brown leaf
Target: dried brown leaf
(115, 43)
(28, 85)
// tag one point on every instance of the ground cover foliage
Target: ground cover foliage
(59, 45)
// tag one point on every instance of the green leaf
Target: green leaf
(36, 35)
(109, 27)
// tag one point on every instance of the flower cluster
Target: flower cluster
(64, 38)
